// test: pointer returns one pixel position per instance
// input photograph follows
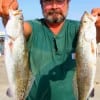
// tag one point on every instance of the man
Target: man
(51, 43)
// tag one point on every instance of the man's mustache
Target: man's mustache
(54, 12)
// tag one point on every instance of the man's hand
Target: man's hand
(96, 12)
(5, 5)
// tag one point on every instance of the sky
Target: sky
(32, 9)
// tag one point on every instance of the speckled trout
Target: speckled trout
(86, 56)
(16, 56)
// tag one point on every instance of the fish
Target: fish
(16, 56)
(86, 54)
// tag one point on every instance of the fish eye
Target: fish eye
(84, 21)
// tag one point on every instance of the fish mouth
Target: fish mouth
(15, 12)
(90, 16)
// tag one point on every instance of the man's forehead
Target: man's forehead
(54, 0)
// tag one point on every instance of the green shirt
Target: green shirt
(51, 61)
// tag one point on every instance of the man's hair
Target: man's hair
(41, 1)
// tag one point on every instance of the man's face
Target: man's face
(55, 11)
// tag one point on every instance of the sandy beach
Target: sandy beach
(4, 81)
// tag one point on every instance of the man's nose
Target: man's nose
(54, 4)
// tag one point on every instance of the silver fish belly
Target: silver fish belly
(16, 55)
(86, 56)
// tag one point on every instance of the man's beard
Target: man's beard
(54, 16)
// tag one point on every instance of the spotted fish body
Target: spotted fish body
(86, 56)
(16, 55)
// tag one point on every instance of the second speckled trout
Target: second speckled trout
(16, 56)
(86, 56)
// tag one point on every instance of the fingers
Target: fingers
(5, 5)
(96, 12)
(14, 5)
(0, 7)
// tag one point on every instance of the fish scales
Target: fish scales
(86, 56)
(16, 56)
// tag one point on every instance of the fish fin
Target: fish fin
(92, 93)
(9, 93)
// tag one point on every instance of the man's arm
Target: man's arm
(27, 29)
(96, 12)
(5, 5)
